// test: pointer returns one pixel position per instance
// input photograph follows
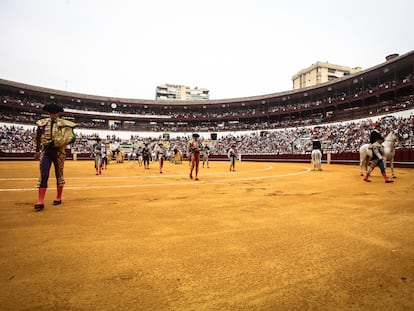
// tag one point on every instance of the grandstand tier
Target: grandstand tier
(274, 124)
(383, 88)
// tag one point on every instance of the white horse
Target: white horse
(365, 154)
(316, 159)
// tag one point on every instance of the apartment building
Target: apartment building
(180, 92)
(319, 73)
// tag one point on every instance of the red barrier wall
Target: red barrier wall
(403, 157)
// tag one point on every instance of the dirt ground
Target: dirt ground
(269, 236)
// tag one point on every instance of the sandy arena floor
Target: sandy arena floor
(270, 236)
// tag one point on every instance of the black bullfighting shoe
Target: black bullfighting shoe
(39, 207)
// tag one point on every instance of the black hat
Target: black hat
(196, 135)
(380, 138)
(52, 108)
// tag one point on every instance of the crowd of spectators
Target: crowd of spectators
(213, 125)
(336, 138)
(226, 117)
(287, 134)
(16, 139)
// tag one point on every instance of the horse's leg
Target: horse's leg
(392, 167)
(363, 162)
(367, 161)
(385, 160)
(313, 160)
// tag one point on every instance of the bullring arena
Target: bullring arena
(268, 236)
(272, 235)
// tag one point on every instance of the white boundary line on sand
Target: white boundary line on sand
(137, 177)
(199, 182)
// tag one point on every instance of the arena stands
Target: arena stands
(344, 137)
(273, 124)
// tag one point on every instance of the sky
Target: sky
(234, 48)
